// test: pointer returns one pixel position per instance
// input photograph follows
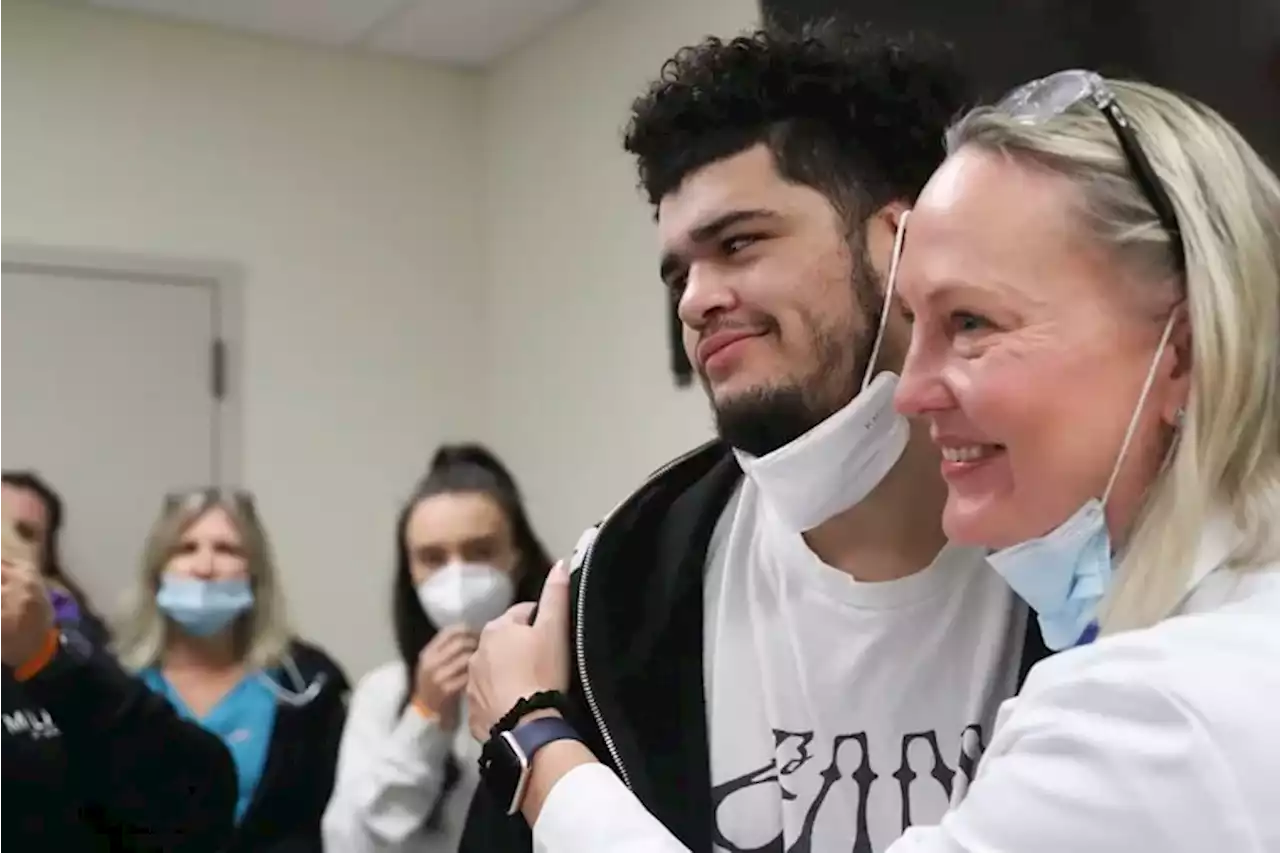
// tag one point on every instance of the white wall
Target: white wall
(428, 255)
(582, 403)
(348, 190)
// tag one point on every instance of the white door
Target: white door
(107, 394)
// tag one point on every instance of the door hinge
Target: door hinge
(218, 372)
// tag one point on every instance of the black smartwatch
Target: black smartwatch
(507, 759)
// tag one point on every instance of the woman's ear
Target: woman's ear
(1176, 367)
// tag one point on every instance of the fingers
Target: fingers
(553, 604)
(451, 669)
(12, 570)
(519, 613)
(437, 669)
(16, 575)
(444, 635)
(455, 685)
(445, 647)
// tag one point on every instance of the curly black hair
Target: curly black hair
(856, 115)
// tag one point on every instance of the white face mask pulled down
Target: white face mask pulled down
(840, 461)
(470, 594)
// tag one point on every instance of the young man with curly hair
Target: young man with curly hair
(771, 642)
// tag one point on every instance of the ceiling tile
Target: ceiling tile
(330, 22)
(470, 32)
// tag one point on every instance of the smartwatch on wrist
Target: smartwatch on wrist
(506, 762)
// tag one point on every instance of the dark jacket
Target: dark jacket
(297, 779)
(94, 761)
(637, 625)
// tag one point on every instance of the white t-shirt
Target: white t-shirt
(842, 712)
(391, 765)
(1156, 740)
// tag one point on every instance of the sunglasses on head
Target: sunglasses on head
(198, 498)
(1042, 100)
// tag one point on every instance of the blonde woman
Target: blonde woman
(209, 634)
(92, 760)
(1093, 277)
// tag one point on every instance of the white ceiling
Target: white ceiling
(458, 32)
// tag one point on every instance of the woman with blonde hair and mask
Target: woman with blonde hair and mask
(209, 634)
(1093, 279)
(92, 760)
(465, 550)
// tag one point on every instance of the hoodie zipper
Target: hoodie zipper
(580, 649)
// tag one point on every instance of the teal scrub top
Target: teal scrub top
(244, 719)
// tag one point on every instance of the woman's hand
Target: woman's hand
(442, 674)
(516, 659)
(26, 614)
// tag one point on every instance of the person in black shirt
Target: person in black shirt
(37, 513)
(93, 760)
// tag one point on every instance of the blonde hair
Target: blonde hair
(263, 635)
(1227, 452)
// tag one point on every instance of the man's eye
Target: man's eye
(733, 245)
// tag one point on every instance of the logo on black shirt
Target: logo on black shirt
(35, 724)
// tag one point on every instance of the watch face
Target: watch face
(74, 642)
(504, 770)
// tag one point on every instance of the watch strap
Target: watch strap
(535, 734)
(544, 700)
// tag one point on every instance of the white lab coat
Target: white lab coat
(1163, 739)
(391, 766)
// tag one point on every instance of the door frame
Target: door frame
(225, 281)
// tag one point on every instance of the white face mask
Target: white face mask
(841, 460)
(836, 464)
(471, 594)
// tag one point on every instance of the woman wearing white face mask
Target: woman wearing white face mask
(209, 634)
(465, 553)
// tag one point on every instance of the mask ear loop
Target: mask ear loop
(898, 240)
(1137, 412)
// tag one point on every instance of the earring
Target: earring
(1180, 418)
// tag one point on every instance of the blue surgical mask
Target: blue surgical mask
(203, 607)
(1064, 574)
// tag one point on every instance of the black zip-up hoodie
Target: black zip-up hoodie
(302, 758)
(94, 761)
(637, 672)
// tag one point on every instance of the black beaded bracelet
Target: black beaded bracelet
(541, 701)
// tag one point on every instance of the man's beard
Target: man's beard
(764, 419)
